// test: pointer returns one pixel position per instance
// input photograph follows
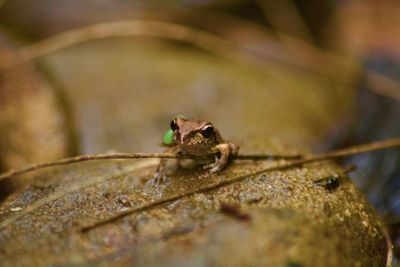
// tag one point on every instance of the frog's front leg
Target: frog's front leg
(226, 152)
(159, 175)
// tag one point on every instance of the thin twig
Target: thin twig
(383, 85)
(284, 16)
(293, 33)
(93, 157)
(316, 60)
(389, 246)
(148, 28)
(266, 156)
(350, 168)
(389, 143)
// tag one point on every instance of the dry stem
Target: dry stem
(389, 143)
(93, 157)
(149, 28)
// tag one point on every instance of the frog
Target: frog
(193, 137)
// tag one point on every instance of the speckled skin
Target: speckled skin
(199, 138)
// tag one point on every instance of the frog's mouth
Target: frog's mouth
(197, 149)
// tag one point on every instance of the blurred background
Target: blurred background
(97, 76)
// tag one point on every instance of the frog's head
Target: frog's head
(188, 132)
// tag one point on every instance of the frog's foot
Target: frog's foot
(212, 166)
(226, 152)
(159, 175)
(159, 178)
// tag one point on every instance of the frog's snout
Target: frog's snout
(198, 138)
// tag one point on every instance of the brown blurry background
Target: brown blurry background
(315, 75)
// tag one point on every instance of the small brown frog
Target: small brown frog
(197, 138)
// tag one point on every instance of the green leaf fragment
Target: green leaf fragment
(168, 138)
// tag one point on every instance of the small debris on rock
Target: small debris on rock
(233, 210)
(16, 209)
(330, 183)
(124, 201)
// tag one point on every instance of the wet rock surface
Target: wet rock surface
(290, 218)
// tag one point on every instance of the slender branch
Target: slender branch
(93, 157)
(389, 143)
(383, 85)
(349, 168)
(148, 28)
(266, 156)
(335, 154)
(319, 61)
(284, 16)
(377, 145)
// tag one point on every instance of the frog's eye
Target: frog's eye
(207, 131)
(173, 125)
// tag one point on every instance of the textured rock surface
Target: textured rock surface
(292, 220)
